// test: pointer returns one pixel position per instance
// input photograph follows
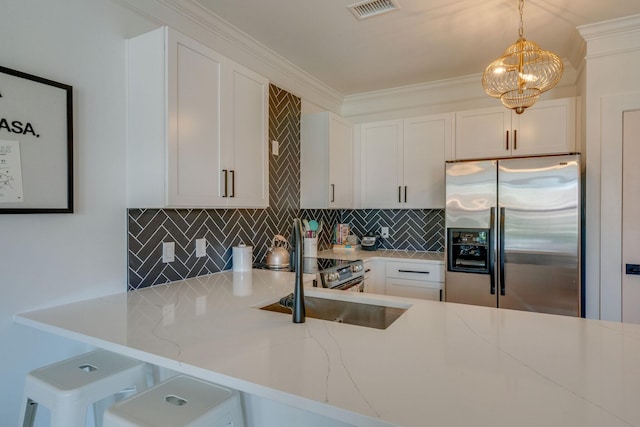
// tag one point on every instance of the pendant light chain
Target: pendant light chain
(522, 73)
(521, 9)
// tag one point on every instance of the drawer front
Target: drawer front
(414, 289)
(427, 272)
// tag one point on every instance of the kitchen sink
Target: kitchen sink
(353, 313)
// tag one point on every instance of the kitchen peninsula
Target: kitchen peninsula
(439, 364)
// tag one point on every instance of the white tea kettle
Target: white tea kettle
(278, 255)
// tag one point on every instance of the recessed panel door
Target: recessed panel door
(631, 217)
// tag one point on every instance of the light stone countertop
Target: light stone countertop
(439, 364)
(386, 254)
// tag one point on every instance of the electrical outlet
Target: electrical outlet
(201, 247)
(275, 147)
(168, 252)
(384, 232)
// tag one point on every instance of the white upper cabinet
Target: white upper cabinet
(381, 163)
(549, 127)
(425, 139)
(246, 122)
(326, 162)
(402, 162)
(197, 126)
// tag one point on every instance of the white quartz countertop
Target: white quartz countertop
(386, 254)
(439, 364)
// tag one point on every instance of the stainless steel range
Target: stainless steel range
(338, 274)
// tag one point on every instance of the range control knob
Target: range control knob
(356, 268)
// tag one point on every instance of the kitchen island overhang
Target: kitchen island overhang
(439, 363)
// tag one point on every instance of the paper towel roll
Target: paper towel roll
(242, 257)
(242, 283)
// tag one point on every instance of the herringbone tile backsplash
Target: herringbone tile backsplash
(225, 228)
(409, 229)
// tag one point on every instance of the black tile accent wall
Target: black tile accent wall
(409, 229)
(225, 228)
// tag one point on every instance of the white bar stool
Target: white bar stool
(180, 401)
(68, 387)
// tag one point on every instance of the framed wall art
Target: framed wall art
(36, 144)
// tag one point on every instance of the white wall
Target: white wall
(611, 85)
(49, 259)
(56, 258)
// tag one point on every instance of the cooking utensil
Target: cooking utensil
(277, 256)
(307, 227)
(313, 225)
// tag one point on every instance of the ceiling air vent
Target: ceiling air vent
(369, 8)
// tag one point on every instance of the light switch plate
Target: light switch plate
(201, 247)
(168, 252)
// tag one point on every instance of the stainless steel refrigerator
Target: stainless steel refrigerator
(513, 233)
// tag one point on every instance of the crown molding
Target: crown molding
(243, 49)
(610, 28)
(193, 19)
(441, 96)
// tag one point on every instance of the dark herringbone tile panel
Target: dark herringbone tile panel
(329, 218)
(410, 229)
(223, 228)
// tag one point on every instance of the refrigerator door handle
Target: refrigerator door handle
(501, 253)
(492, 270)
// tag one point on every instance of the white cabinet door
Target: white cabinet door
(247, 161)
(375, 280)
(402, 162)
(546, 128)
(193, 119)
(326, 161)
(483, 133)
(414, 289)
(423, 174)
(340, 163)
(381, 164)
(549, 127)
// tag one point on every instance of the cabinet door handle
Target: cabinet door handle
(440, 294)
(225, 182)
(333, 193)
(413, 271)
(405, 194)
(515, 139)
(507, 140)
(501, 250)
(399, 194)
(233, 183)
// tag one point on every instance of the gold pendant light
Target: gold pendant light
(522, 73)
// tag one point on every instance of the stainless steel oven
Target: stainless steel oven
(345, 275)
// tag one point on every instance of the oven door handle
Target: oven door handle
(350, 284)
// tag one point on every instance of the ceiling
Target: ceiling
(423, 41)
